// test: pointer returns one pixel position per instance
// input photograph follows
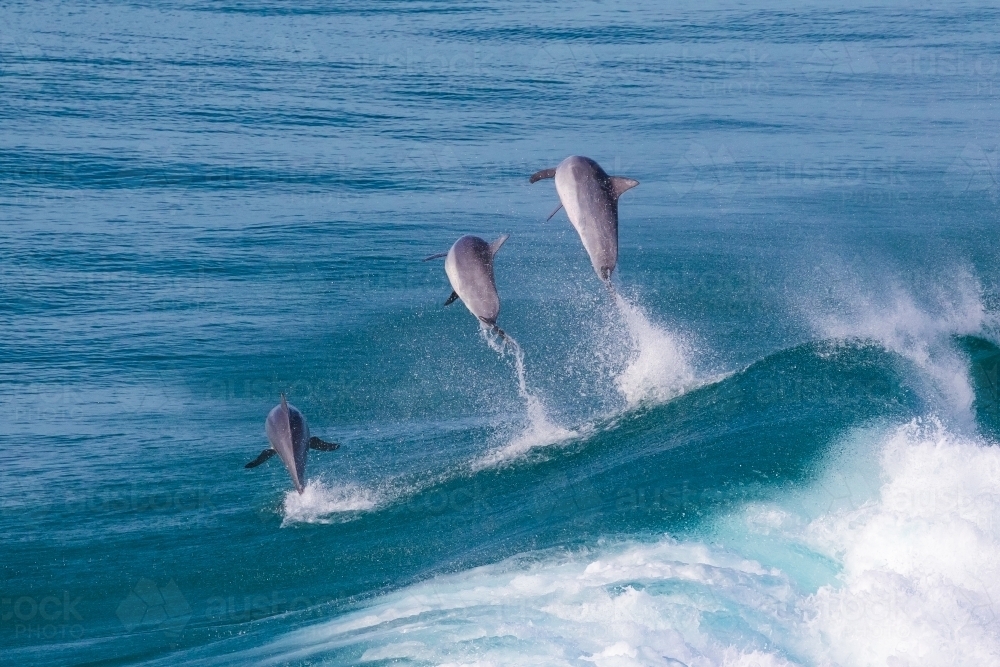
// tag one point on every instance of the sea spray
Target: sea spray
(540, 430)
(320, 503)
(658, 368)
(921, 327)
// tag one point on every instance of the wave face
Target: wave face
(773, 442)
(890, 556)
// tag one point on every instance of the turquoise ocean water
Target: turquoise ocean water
(776, 447)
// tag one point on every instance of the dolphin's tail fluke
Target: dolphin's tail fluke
(605, 276)
(493, 329)
(539, 175)
(518, 354)
(489, 328)
(507, 339)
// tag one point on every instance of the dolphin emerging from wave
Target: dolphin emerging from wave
(289, 435)
(469, 266)
(590, 198)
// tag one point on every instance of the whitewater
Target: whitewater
(890, 555)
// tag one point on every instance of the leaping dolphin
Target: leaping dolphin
(288, 432)
(469, 266)
(590, 198)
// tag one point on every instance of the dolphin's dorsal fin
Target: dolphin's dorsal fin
(495, 246)
(451, 299)
(620, 185)
(539, 175)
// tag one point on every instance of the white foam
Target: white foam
(558, 612)
(919, 330)
(658, 368)
(921, 578)
(908, 518)
(319, 503)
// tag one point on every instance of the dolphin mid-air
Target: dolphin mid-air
(590, 198)
(289, 435)
(469, 266)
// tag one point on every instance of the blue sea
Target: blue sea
(774, 444)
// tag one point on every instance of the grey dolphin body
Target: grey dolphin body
(469, 266)
(288, 432)
(590, 198)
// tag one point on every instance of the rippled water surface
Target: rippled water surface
(774, 445)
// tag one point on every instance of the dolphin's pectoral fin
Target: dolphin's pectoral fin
(495, 246)
(451, 299)
(438, 255)
(539, 175)
(620, 185)
(316, 443)
(264, 455)
(553, 213)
